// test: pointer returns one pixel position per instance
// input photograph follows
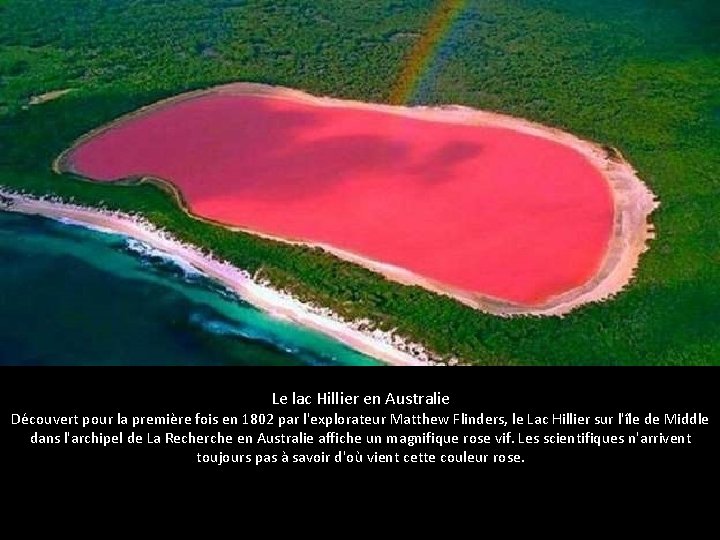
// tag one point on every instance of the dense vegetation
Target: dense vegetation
(641, 75)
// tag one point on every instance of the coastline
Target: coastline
(633, 202)
(386, 347)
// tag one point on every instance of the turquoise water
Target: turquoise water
(71, 295)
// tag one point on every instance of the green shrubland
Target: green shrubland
(639, 75)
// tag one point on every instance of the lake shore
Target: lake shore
(632, 200)
(387, 347)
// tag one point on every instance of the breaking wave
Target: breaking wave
(156, 257)
(245, 332)
(84, 225)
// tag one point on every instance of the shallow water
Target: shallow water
(71, 295)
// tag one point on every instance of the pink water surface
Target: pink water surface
(485, 210)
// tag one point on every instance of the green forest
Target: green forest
(639, 75)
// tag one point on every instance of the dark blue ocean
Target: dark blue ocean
(72, 295)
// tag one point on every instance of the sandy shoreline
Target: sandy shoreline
(384, 346)
(633, 201)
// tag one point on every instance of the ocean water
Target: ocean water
(71, 295)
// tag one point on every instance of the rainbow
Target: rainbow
(424, 51)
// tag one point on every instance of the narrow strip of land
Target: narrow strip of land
(384, 346)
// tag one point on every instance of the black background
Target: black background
(234, 391)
